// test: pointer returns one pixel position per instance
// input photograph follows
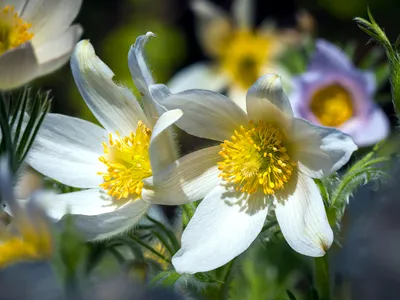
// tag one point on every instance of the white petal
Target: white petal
(370, 131)
(243, 11)
(56, 52)
(267, 89)
(213, 26)
(162, 145)
(142, 77)
(238, 95)
(68, 149)
(95, 214)
(303, 220)
(207, 114)
(219, 231)
(198, 76)
(159, 92)
(50, 17)
(320, 150)
(189, 179)
(17, 67)
(114, 106)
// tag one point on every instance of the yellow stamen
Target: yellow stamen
(14, 31)
(31, 241)
(245, 56)
(128, 163)
(332, 105)
(256, 158)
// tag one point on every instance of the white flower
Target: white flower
(36, 38)
(239, 52)
(28, 236)
(112, 161)
(267, 159)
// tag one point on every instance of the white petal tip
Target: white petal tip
(179, 265)
(270, 82)
(84, 45)
(149, 33)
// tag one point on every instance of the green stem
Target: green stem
(227, 279)
(321, 277)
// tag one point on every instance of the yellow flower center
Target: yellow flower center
(128, 163)
(34, 242)
(245, 56)
(332, 105)
(14, 31)
(16, 250)
(256, 158)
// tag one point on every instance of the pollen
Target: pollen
(256, 158)
(246, 55)
(332, 105)
(128, 163)
(14, 31)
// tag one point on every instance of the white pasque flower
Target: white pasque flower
(267, 159)
(112, 161)
(36, 38)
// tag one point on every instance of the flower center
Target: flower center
(128, 163)
(14, 31)
(256, 158)
(245, 55)
(332, 105)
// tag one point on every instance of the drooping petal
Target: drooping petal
(198, 76)
(17, 67)
(189, 179)
(267, 89)
(95, 214)
(320, 150)
(213, 26)
(142, 77)
(219, 231)
(370, 131)
(162, 146)
(302, 219)
(243, 11)
(56, 52)
(207, 114)
(329, 57)
(67, 149)
(114, 106)
(50, 17)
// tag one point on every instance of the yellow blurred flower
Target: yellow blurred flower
(240, 53)
(28, 236)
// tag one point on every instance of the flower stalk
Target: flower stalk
(321, 277)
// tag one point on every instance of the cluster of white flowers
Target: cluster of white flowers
(264, 164)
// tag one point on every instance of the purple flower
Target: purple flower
(333, 93)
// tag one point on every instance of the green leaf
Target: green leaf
(374, 30)
(166, 279)
(290, 295)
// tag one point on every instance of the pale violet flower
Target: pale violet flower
(239, 53)
(332, 92)
(267, 160)
(109, 162)
(36, 38)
